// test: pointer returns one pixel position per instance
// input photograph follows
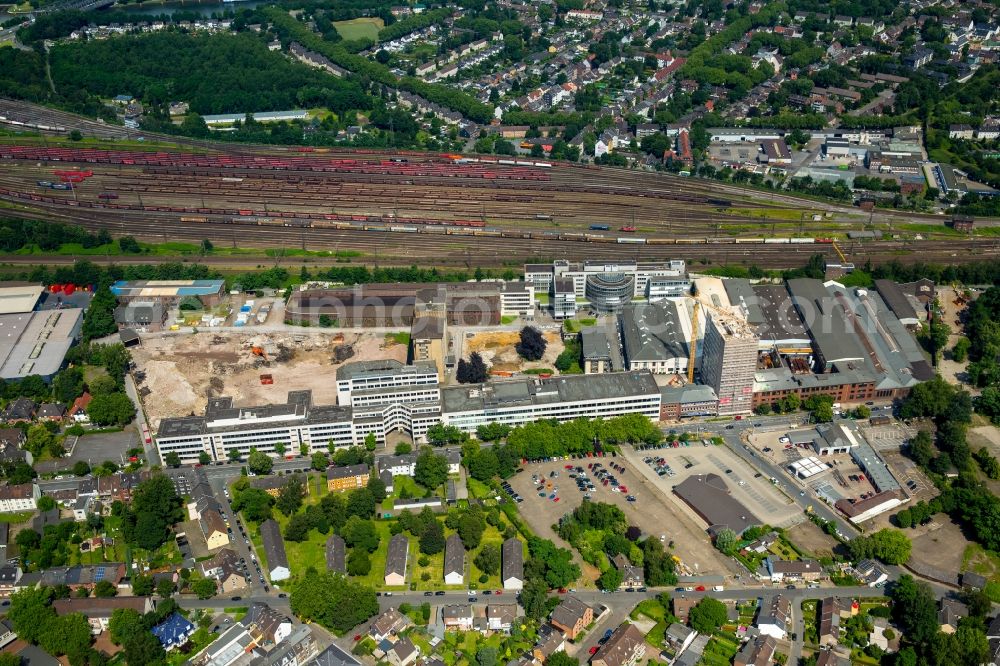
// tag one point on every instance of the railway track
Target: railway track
(386, 248)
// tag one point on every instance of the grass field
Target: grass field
(360, 28)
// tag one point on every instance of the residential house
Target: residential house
(950, 611)
(756, 652)
(402, 653)
(773, 620)
(512, 564)
(388, 624)
(681, 607)
(678, 637)
(224, 567)
(266, 625)
(78, 412)
(98, 610)
(792, 570)
(10, 454)
(21, 410)
(401, 465)
(395, 561)
(334, 655)
(10, 576)
(500, 617)
(457, 617)
(7, 635)
(349, 477)
(631, 574)
(336, 554)
(549, 641)
(763, 544)
(454, 560)
(571, 616)
(174, 631)
(274, 550)
(19, 497)
(51, 411)
(625, 647)
(213, 528)
(871, 572)
(828, 611)
(76, 577)
(830, 658)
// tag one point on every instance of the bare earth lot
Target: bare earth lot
(652, 512)
(940, 544)
(184, 370)
(498, 350)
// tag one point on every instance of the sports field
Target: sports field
(359, 28)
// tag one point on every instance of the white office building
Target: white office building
(388, 373)
(607, 286)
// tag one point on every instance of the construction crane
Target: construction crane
(840, 254)
(694, 340)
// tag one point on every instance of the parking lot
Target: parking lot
(652, 510)
(95, 449)
(746, 484)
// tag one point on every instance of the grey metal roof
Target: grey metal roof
(687, 394)
(298, 410)
(512, 559)
(741, 294)
(395, 559)
(780, 319)
(828, 321)
(346, 471)
(454, 555)
(274, 544)
(652, 331)
(336, 554)
(382, 367)
(566, 388)
(594, 344)
(334, 655)
(709, 496)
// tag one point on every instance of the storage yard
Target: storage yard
(183, 370)
(493, 210)
(498, 350)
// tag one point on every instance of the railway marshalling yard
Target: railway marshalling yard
(444, 211)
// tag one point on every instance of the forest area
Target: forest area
(215, 74)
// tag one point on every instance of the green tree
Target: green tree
(143, 648)
(123, 623)
(298, 527)
(727, 541)
(610, 580)
(172, 459)
(887, 545)
(531, 346)
(333, 601)
(707, 616)
(39, 439)
(470, 528)
(259, 462)
(290, 496)
(486, 656)
(165, 588)
(113, 409)
(488, 559)
(360, 533)
(30, 612)
(205, 588)
(358, 562)
(431, 469)
(105, 588)
(142, 586)
(370, 441)
(204, 458)
(254, 503)
(155, 508)
(432, 537)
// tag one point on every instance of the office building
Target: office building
(655, 336)
(607, 287)
(728, 362)
(388, 373)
